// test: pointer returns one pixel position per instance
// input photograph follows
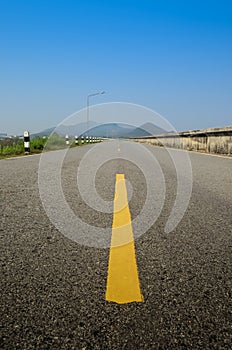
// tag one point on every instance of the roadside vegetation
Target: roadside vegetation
(11, 147)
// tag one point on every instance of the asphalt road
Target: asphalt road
(53, 289)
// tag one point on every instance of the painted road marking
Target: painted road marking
(197, 152)
(123, 281)
(22, 156)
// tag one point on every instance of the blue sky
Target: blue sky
(172, 56)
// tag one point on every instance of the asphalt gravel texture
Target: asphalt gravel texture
(53, 289)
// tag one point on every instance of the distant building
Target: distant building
(2, 135)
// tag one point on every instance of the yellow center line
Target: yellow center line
(123, 281)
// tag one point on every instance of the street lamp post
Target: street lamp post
(88, 97)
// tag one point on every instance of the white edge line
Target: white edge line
(200, 153)
(22, 156)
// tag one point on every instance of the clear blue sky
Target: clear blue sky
(171, 56)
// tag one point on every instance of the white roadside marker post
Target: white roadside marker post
(67, 140)
(82, 140)
(26, 136)
(76, 140)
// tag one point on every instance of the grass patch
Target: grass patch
(10, 147)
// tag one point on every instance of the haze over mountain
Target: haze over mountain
(62, 130)
(111, 130)
(147, 129)
(108, 130)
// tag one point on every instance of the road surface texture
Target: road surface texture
(53, 289)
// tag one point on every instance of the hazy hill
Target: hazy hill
(111, 130)
(108, 130)
(62, 130)
(118, 130)
(45, 132)
(152, 129)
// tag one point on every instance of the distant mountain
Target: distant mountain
(62, 130)
(45, 132)
(76, 129)
(108, 130)
(152, 129)
(138, 132)
(118, 130)
(147, 129)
